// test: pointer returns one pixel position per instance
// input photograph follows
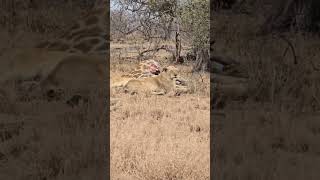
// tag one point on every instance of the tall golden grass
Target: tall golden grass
(159, 137)
(272, 135)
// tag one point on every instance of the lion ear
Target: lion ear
(164, 69)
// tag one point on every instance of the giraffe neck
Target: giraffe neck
(88, 35)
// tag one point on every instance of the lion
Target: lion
(27, 64)
(156, 85)
(50, 70)
(148, 68)
(77, 71)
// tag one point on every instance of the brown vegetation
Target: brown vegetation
(158, 137)
(269, 134)
(43, 138)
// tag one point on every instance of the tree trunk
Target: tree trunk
(168, 29)
(202, 61)
(178, 58)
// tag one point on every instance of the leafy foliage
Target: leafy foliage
(195, 22)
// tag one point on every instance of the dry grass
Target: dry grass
(51, 140)
(260, 142)
(274, 134)
(269, 62)
(159, 137)
(48, 140)
(149, 141)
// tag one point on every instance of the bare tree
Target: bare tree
(123, 24)
(160, 19)
(153, 19)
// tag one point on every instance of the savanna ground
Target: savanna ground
(41, 139)
(158, 137)
(274, 133)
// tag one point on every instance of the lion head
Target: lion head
(171, 71)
